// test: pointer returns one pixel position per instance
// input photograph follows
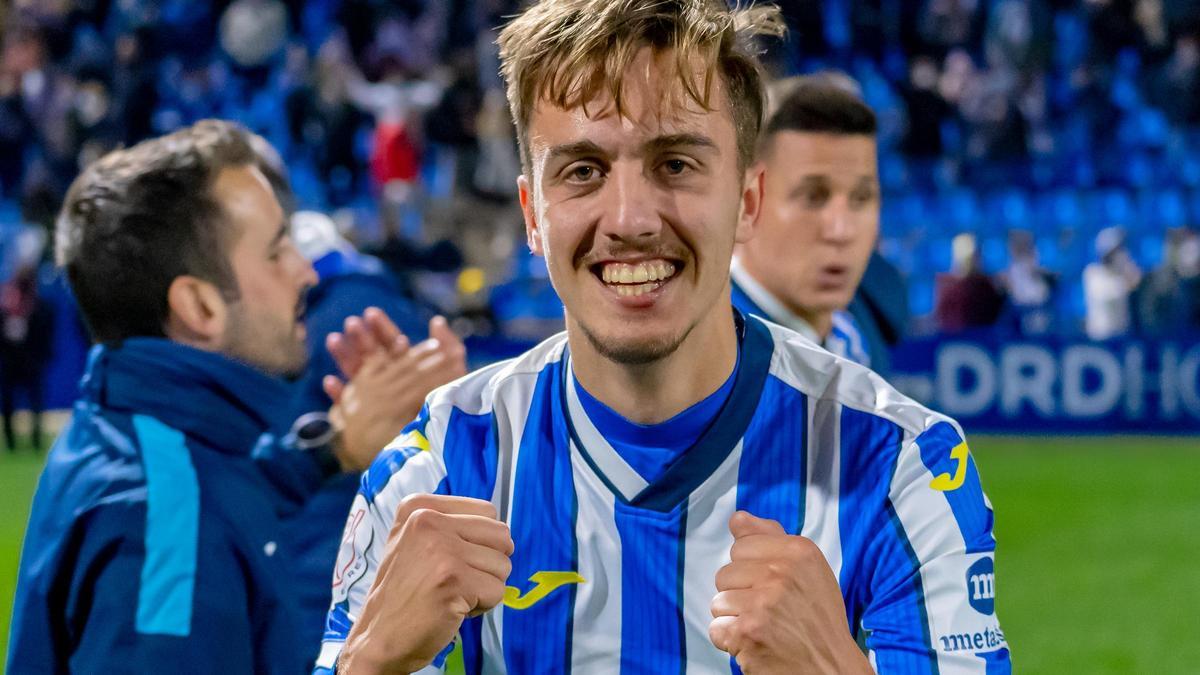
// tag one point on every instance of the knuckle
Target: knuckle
(489, 510)
(424, 520)
(448, 572)
(408, 505)
(492, 594)
(804, 548)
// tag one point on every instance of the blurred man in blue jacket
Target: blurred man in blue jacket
(351, 285)
(155, 543)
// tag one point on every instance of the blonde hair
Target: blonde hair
(567, 52)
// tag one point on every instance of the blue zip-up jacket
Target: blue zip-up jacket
(154, 545)
(350, 282)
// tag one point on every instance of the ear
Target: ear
(751, 204)
(197, 312)
(533, 235)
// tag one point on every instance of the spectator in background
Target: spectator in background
(1107, 286)
(966, 297)
(15, 131)
(26, 328)
(926, 110)
(1030, 286)
(1166, 301)
(1176, 86)
(819, 219)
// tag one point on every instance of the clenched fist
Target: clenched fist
(447, 558)
(778, 608)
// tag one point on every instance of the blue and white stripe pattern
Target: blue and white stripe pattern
(884, 487)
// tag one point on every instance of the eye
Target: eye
(583, 173)
(675, 167)
(862, 197)
(815, 197)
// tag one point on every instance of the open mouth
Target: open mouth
(833, 276)
(634, 279)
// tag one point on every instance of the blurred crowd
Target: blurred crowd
(1040, 159)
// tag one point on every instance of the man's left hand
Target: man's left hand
(778, 608)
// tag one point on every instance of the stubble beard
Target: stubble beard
(635, 352)
(274, 350)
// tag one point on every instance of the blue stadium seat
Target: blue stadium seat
(1162, 209)
(1014, 210)
(936, 255)
(1048, 253)
(962, 210)
(1148, 251)
(994, 253)
(920, 295)
(1067, 210)
(1113, 206)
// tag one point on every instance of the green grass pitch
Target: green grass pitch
(1099, 562)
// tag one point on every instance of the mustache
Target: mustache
(619, 250)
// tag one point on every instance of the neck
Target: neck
(653, 392)
(821, 322)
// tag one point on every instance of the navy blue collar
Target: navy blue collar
(705, 456)
(224, 403)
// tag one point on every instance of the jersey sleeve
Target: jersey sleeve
(932, 605)
(410, 464)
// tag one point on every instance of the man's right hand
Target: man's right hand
(374, 335)
(447, 558)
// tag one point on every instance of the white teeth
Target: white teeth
(629, 291)
(620, 273)
(632, 280)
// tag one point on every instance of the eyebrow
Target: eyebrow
(657, 144)
(573, 150)
(680, 141)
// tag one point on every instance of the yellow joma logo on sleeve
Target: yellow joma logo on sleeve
(944, 482)
(544, 584)
(412, 439)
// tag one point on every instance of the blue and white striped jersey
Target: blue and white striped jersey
(845, 338)
(614, 574)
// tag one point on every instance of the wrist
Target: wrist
(316, 435)
(359, 659)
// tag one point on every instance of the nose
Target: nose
(307, 274)
(631, 205)
(838, 225)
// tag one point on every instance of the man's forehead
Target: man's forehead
(246, 197)
(636, 122)
(653, 101)
(804, 149)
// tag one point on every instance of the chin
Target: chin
(634, 350)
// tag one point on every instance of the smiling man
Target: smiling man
(155, 542)
(669, 483)
(820, 217)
